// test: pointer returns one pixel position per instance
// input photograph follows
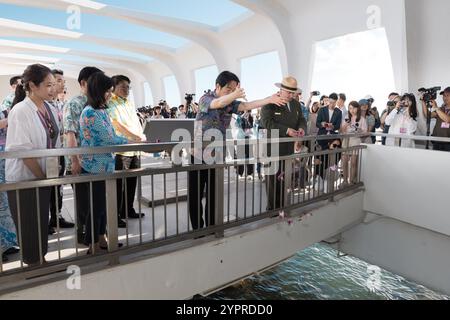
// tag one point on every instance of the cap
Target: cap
(363, 102)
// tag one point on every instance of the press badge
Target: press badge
(445, 125)
(403, 130)
(52, 167)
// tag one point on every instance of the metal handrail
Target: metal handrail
(156, 147)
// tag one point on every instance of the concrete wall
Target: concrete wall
(201, 268)
(409, 185)
(415, 253)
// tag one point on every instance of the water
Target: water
(318, 274)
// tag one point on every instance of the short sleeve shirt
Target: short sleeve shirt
(209, 119)
(215, 118)
(71, 121)
(122, 111)
(96, 130)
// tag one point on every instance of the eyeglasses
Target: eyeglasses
(335, 146)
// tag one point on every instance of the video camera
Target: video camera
(429, 95)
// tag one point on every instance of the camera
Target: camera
(162, 103)
(430, 94)
(391, 104)
(315, 93)
(189, 97)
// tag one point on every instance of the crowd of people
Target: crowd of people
(36, 116)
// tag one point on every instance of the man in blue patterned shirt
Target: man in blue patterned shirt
(8, 101)
(215, 111)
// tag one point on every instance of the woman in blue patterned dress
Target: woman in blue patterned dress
(8, 238)
(96, 130)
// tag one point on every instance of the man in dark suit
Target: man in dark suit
(329, 120)
(290, 123)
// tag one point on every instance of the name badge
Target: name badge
(403, 130)
(445, 125)
(278, 113)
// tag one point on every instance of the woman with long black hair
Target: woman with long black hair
(32, 124)
(96, 130)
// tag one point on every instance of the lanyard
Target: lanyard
(45, 120)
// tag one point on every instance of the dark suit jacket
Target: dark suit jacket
(324, 116)
(274, 117)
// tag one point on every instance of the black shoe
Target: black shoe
(51, 230)
(4, 258)
(63, 224)
(11, 251)
(119, 245)
(121, 224)
(134, 215)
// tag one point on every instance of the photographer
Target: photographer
(442, 116)
(190, 108)
(393, 99)
(403, 120)
(354, 124)
(370, 119)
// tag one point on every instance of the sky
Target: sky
(358, 64)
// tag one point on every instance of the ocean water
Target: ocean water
(318, 274)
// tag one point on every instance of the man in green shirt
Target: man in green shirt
(290, 122)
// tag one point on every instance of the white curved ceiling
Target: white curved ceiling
(159, 26)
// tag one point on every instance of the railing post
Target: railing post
(288, 186)
(111, 217)
(219, 203)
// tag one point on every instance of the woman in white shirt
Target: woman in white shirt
(354, 124)
(403, 121)
(32, 125)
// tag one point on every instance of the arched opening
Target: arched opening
(205, 79)
(171, 91)
(259, 73)
(356, 64)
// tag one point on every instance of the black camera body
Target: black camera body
(429, 94)
(189, 97)
(315, 93)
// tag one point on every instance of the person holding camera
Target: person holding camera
(354, 124)
(442, 116)
(403, 121)
(329, 120)
(368, 116)
(394, 98)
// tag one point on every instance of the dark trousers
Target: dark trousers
(275, 189)
(126, 200)
(441, 146)
(82, 205)
(29, 227)
(96, 222)
(54, 211)
(385, 130)
(248, 168)
(202, 183)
